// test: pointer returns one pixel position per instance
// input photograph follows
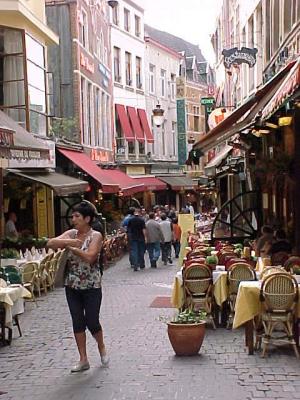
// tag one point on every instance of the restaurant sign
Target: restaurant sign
(181, 129)
(237, 56)
(86, 64)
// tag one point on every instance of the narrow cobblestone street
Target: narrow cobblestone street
(37, 366)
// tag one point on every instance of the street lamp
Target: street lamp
(112, 3)
(158, 115)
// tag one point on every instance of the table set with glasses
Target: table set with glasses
(249, 292)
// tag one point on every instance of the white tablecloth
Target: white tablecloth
(13, 300)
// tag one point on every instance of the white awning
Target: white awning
(210, 168)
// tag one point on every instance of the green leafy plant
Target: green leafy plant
(63, 127)
(9, 253)
(212, 260)
(189, 317)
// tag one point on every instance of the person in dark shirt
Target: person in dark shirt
(137, 228)
(281, 243)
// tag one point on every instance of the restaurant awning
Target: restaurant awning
(128, 185)
(62, 185)
(210, 167)
(143, 117)
(136, 125)
(178, 183)
(125, 124)
(243, 116)
(87, 165)
(20, 148)
(286, 89)
(151, 183)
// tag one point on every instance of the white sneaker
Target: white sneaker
(81, 366)
(104, 360)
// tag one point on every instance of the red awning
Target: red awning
(151, 183)
(125, 124)
(128, 185)
(136, 125)
(87, 165)
(143, 117)
(287, 88)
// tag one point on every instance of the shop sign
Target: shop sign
(135, 170)
(207, 100)
(104, 71)
(100, 155)
(86, 64)
(235, 56)
(181, 129)
(180, 87)
(25, 154)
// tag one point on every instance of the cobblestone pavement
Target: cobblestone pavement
(142, 366)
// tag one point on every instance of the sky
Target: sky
(192, 20)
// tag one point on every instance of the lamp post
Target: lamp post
(113, 3)
(158, 115)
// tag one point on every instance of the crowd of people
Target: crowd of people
(156, 232)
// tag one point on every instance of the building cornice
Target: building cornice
(134, 5)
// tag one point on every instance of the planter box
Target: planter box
(186, 339)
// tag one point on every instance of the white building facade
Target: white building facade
(128, 53)
(162, 68)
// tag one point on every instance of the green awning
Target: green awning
(62, 185)
(178, 183)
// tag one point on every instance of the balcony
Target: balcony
(25, 14)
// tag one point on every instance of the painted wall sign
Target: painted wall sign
(235, 56)
(86, 64)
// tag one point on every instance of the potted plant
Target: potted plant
(8, 256)
(186, 332)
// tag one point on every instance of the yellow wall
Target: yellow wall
(28, 15)
(37, 7)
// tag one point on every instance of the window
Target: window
(173, 86)
(115, 15)
(128, 69)
(126, 20)
(108, 124)
(141, 147)
(163, 139)
(138, 66)
(163, 82)
(101, 47)
(117, 65)
(174, 137)
(103, 119)
(89, 115)
(137, 24)
(97, 118)
(83, 99)
(151, 79)
(287, 17)
(83, 30)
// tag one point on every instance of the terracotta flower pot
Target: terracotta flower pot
(186, 339)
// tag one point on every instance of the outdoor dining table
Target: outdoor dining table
(219, 283)
(247, 307)
(12, 298)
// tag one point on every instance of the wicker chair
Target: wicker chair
(292, 265)
(279, 258)
(29, 277)
(279, 297)
(237, 273)
(271, 270)
(198, 285)
(224, 256)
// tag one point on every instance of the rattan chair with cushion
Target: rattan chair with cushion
(198, 289)
(237, 273)
(271, 270)
(292, 265)
(29, 277)
(279, 297)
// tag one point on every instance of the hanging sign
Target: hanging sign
(235, 56)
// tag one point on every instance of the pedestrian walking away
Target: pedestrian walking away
(176, 237)
(166, 227)
(154, 238)
(137, 228)
(125, 227)
(83, 280)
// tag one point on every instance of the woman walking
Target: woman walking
(83, 280)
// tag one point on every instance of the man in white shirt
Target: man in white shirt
(10, 226)
(166, 227)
